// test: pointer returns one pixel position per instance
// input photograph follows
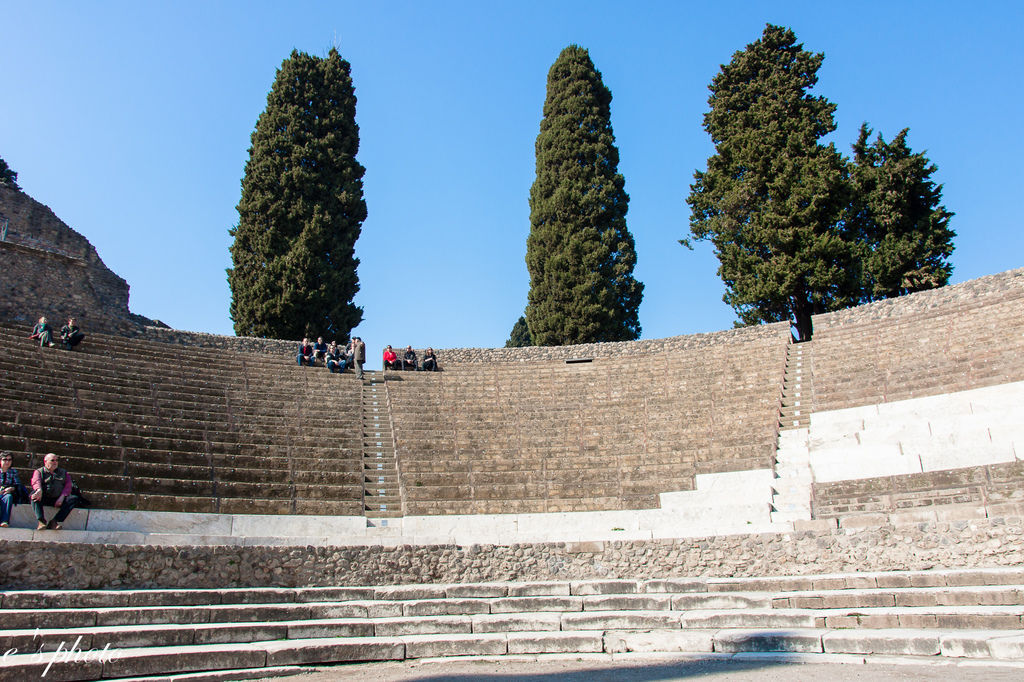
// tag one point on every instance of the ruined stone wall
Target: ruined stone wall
(968, 544)
(50, 270)
(988, 289)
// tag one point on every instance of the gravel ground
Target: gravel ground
(660, 670)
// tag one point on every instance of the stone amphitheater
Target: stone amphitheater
(724, 496)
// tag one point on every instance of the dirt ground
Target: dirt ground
(657, 670)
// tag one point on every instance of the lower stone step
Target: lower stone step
(275, 655)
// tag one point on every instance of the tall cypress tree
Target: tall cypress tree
(772, 198)
(580, 254)
(899, 222)
(302, 207)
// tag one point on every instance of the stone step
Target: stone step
(148, 661)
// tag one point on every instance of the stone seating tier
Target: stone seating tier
(959, 615)
(611, 434)
(982, 485)
(946, 349)
(150, 426)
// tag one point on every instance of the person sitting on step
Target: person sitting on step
(10, 488)
(71, 335)
(336, 361)
(319, 349)
(305, 353)
(409, 359)
(391, 359)
(430, 361)
(51, 487)
(43, 333)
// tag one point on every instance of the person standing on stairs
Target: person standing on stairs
(358, 355)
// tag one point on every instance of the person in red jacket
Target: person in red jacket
(391, 359)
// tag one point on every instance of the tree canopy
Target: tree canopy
(902, 230)
(302, 207)
(797, 228)
(772, 197)
(8, 178)
(520, 335)
(579, 253)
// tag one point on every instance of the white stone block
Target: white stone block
(160, 522)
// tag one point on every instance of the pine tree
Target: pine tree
(520, 336)
(772, 197)
(302, 207)
(580, 254)
(8, 178)
(898, 219)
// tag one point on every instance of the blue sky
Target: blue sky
(131, 120)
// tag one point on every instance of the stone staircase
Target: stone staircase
(83, 635)
(791, 498)
(381, 495)
(796, 407)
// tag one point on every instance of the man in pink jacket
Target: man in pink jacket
(51, 487)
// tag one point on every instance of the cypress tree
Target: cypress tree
(520, 335)
(901, 226)
(302, 207)
(580, 254)
(772, 198)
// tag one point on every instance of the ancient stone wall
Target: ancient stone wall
(979, 543)
(50, 270)
(1003, 285)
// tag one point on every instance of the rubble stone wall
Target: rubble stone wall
(51, 271)
(985, 542)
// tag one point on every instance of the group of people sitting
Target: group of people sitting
(409, 360)
(337, 359)
(332, 355)
(70, 334)
(51, 487)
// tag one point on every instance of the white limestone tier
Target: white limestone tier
(722, 504)
(951, 431)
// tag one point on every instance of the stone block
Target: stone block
(555, 642)
(521, 604)
(815, 525)
(959, 512)
(627, 602)
(792, 640)
(431, 646)
(431, 625)
(164, 660)
(51, 666)
(477, 590)
(226, 633)
(1010, 647)
(328, 628)
(539, 589)
(773, 618)
(861, 521)
(308, 651)
(905, 642)
(972, 644)
(319, 594)
(620, 620)
(444, 607)
(404, 592)
(724, 600)
(674, 585)
(588, 587)
(512, 622)
(622, 641)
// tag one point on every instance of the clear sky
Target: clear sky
(131, 120)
